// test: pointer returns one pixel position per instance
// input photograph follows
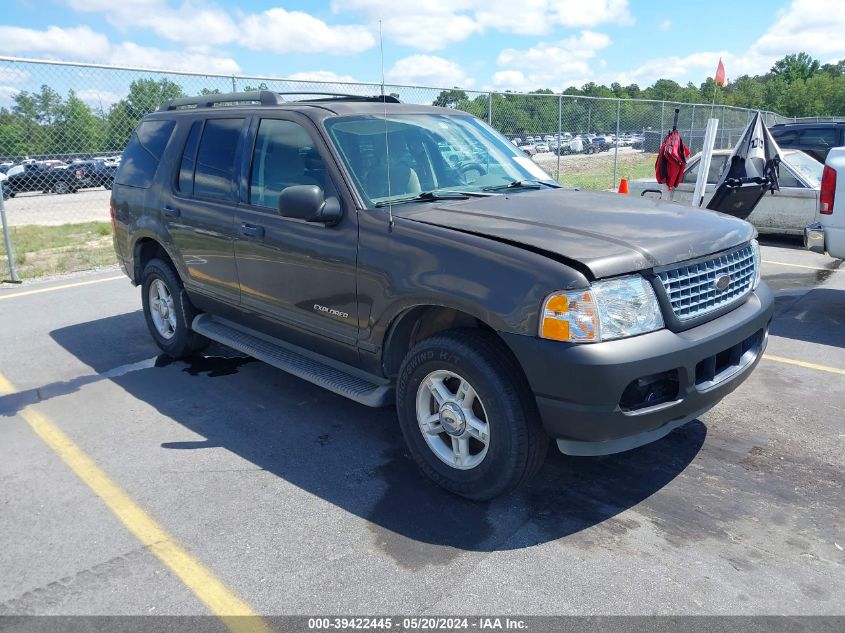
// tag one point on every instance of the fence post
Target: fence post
(662, 108)
(7, 239)
(722, 130)
(559, 115)
(589, 115)
(234, 84)
(616, 144)
(490, 108)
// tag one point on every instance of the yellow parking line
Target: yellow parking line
(830, 270)
(51, 288)
(220, 600)
(801, 363)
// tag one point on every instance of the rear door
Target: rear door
(199, 202)
(297, 274)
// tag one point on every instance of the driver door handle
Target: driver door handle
(171, 212)
(252, 230)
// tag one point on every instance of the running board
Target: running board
(324, 373)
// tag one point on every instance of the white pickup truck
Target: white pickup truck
(828, 234)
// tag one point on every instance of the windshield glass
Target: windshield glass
(808, 167)
(427, 152)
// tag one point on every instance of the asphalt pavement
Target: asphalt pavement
(298, 501)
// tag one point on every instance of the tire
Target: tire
(516, 441)
(61, 188)
(176, 338)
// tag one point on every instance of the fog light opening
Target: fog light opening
(650, 391)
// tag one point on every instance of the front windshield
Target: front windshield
(427, 152)
(809, 168)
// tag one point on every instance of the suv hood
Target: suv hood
(608, 233)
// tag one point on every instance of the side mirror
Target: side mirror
(308, 202)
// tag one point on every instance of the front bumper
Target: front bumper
(578, 388)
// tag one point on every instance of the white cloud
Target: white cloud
(83, 44)
(813, 26)
(192, 22)
(434, 24)
(13, 75)
(99, 99)
(321, 75)
(195, 22)
(283, 31)
(549, 65)
(428, 70)
(59, 42)
(7, 95)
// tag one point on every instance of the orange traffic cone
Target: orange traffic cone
(623, 186)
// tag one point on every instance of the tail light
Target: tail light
(112, 214)
(828, 191)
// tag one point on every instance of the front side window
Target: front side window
(215, 163)
(407, 154)
(143, 153)
(284, 156)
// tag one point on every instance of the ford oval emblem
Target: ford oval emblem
(722, 282)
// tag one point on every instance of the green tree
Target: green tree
(145, 96)
(450, 98)
(76, 129)
(795, 67)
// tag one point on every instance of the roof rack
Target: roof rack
(264, 98)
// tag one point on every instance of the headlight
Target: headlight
(611, 309)
(755, 248)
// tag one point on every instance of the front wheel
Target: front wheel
(168, 311)
(468, 416)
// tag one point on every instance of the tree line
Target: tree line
(46, 123)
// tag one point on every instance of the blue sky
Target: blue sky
(478, 44)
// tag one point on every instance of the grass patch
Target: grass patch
(597, 172)
(49, 250)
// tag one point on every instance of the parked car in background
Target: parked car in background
(541, 148)
(785, 212)
(47, 177)
(93, 173)
(816, 139)
(595, 145)
(827, 234)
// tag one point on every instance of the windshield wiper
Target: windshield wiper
(426, 196)
(521, 184)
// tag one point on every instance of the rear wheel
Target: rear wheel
(468, 416)
(168, 311)
(61, 188)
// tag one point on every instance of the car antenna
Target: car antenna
(386, 144)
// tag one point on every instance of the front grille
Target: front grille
(691, 288)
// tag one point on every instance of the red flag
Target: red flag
(720, 74)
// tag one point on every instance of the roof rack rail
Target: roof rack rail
(263, 98)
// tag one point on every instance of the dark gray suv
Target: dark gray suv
(408, 254)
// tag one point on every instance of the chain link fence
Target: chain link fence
(64, 125)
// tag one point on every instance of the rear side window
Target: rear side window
(819, 137)
(215, 163)
(189, 160)
(143, 153)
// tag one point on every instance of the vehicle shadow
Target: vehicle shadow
(815, 317)
(354, 456)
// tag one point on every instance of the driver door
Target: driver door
(299, 276)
